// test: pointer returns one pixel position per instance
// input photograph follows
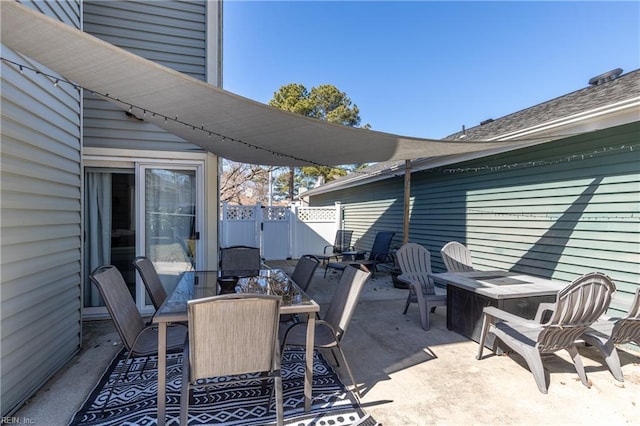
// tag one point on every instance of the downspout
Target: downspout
(407, 199)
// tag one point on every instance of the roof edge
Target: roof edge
(628, 110)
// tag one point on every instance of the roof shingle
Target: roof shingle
(624, 87)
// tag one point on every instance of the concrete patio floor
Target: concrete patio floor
(407, 376)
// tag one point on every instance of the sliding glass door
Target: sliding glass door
(169, 224)
(148, 210)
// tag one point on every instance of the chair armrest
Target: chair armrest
(383, 258)
(355, 254)
(404, 278)
(542, 309)
(264, 265)
(408, 278)
(509, 317)
(334, 332)
(319, 322)
(326, 247)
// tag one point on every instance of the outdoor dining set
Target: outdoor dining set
(231, 322)
(239, 318)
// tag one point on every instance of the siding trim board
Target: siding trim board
(560, 210)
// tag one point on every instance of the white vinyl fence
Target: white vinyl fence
(280, 232)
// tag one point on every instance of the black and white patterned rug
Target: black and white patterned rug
(133, 401)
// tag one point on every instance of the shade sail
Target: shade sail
(219, 121)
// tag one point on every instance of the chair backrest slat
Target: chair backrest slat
(415, 261)
(634, 310)
(233, 334)
(577, 306)
(627, 329)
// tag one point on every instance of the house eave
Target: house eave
(623, 112)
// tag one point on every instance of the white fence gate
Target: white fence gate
(280, 232)
(276, 233)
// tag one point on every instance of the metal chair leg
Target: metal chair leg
(406, 306)
(346, 364)
(126, 367)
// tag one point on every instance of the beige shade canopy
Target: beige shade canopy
(219, 121)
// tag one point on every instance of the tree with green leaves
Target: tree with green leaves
(324, 102)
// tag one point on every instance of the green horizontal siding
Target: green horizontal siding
(557, 210)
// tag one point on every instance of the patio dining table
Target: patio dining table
(468, 293)
(200, 284)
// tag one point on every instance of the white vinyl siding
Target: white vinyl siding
(171, 33)
(40, 190)
(558, 210)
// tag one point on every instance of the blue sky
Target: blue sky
(426, 68)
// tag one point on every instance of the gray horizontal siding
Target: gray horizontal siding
(171, 33)
(558, 210)
(40, 222)
(67, 11)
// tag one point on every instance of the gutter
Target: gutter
(621, 108)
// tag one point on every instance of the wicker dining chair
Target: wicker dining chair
(240, 261)
(302, 276)
(304, 270)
